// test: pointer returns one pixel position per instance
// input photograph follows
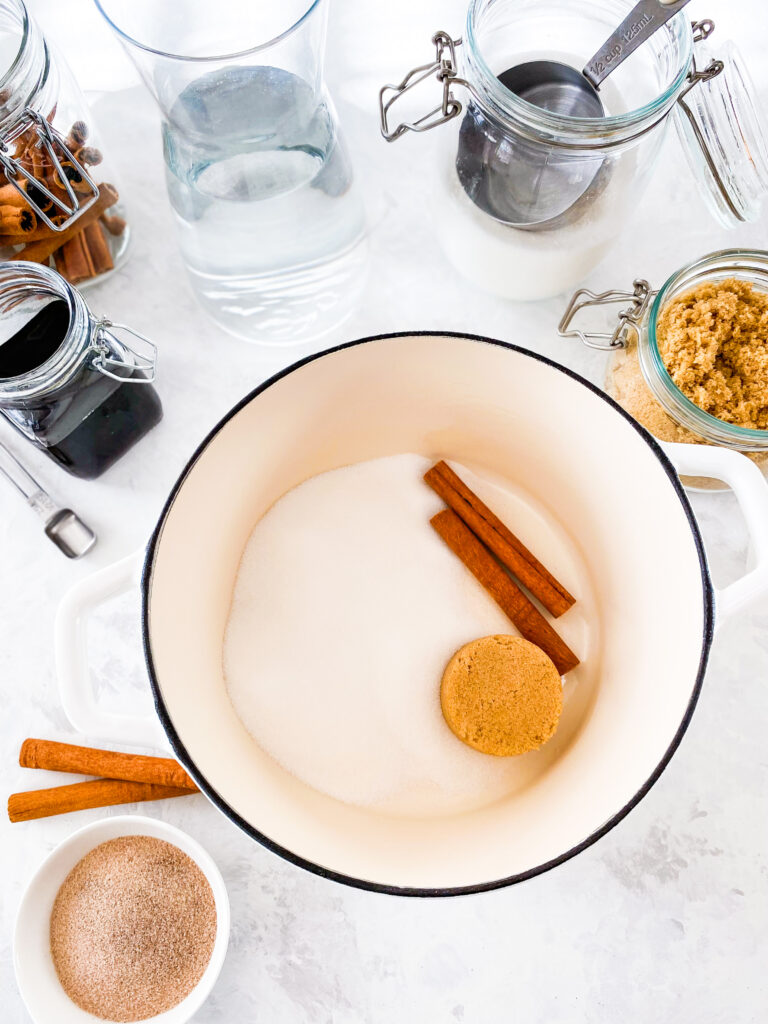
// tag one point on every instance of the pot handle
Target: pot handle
(751, 490)
(71, 653)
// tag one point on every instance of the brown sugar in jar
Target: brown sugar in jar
(696, 369)
(714, 343)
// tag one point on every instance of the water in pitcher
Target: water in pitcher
(270, 222)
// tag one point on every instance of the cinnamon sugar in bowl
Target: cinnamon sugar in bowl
(126, 920)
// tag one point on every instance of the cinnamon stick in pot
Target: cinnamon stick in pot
(510, 551)
(51, 755)
(505, 592)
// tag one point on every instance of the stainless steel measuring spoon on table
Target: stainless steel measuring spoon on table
(67, 531)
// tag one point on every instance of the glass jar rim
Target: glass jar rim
(655, 370)
(10, 71)
(67, 356)
(207, 58)
(588, 130)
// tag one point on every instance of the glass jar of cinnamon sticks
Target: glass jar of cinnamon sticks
(58, 202)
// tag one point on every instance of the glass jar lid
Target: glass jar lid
(723, 134)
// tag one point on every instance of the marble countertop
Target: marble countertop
(664, 919)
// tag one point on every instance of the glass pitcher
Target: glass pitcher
(270, 223)
(528, 200)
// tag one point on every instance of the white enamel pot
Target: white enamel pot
(497, 408)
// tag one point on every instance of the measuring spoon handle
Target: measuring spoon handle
(642, 21)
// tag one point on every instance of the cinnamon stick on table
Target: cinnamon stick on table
(510, 551)
(43, 803)
(108, 764)
(505, 592)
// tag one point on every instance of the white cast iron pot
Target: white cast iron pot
(494, 407)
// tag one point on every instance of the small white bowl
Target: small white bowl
(36, 976)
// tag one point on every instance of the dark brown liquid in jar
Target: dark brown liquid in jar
(90, 422)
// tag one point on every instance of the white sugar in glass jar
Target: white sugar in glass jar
(528, 200)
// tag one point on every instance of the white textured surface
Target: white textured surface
(665, 919)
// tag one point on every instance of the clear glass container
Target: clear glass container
(637, 376)
(528, 200)
(69, 381)
(59, 203)
(270, 221)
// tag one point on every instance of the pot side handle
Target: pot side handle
(751, 490)
(71, 654)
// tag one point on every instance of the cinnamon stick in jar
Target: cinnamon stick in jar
(73, 259)
(115, 225)
(16, 220)
(88, 155)
(40, 251)
(98, 248)
(505, 592)
(73, 176)
(51, 755)
(510, 551)
(10, 196)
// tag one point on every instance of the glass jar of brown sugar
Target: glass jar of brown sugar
(59, 204)
(690, 362)
(69, 382)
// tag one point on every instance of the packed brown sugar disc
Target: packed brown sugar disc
(501, 695)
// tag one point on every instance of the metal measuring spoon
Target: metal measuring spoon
(529, 186)
(561, 89)
(67, 531)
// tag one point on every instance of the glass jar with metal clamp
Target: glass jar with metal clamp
(77, 386)
(59, 204)
(535, 175)
(637, 376)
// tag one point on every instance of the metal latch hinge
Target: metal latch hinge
(628, 318)
(75, 189)
(444, 69)
(135, 367)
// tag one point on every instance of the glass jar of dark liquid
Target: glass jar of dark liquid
(68, 380)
